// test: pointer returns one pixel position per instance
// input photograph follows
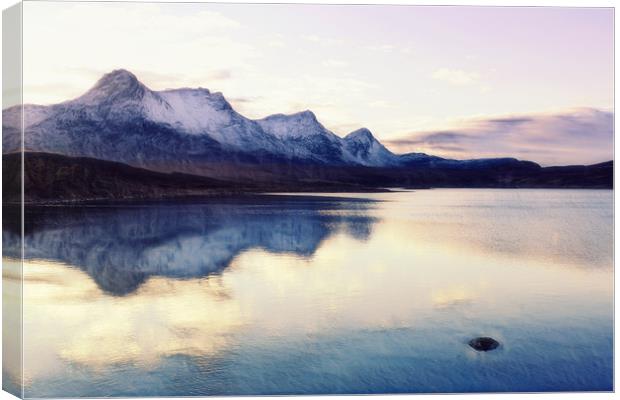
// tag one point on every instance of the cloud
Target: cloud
(335, 63)
(311, 38)
(330, 96)
(443, 142)
(220, 74)
(274, 40)
(323, 40)
(511, 121)
(380, 104)
(577, 136)
(435, 138)
(385, 48)
(456, 76)
(276, 43)
(241, 99)
(151, 40)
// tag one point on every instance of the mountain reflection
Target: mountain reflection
(121, 246)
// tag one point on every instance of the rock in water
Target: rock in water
(483, 343)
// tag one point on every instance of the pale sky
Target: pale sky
(404, 72)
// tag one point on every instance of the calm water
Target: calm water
(311, 294)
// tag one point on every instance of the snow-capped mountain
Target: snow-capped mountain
(120, 119)
(189, 130)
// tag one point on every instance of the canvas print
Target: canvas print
(283, 199)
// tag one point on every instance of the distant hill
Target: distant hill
(54, 178)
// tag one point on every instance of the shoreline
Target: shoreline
(249, 194)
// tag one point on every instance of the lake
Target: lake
(315, 294)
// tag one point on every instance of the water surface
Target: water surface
(286, 294)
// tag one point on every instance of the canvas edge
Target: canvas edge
(12, 269)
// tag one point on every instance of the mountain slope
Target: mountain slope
(57, 178)
(306, 138)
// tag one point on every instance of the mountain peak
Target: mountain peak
(118, 77)
(219, 99)
(120, 72)
(306, 114)
(367, 150)
(113, 86)
(303, 124)
(190, 90)
(361, 134)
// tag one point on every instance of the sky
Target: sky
(422, 78)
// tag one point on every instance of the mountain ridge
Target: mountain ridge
(198, 132)
(201, 125)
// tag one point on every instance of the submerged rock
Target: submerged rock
(483, 343)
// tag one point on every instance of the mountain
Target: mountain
(197, 132)
(120, 97)
(120, 119)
